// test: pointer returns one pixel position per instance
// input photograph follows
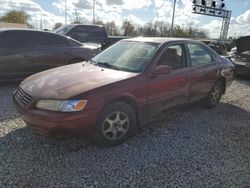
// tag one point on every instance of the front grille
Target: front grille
(22, 97)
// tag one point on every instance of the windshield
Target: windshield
(129, 56)
(63, 30)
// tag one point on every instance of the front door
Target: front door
(169, 90)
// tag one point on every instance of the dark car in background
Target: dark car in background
(83, 33)
(217, 46)
(25, 52)
(123, 85)
(240, 55)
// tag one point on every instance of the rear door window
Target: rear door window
(14, 39)
(199, 55)
(41, 39)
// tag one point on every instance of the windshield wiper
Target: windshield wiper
(105, 64)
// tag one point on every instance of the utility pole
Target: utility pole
(36, 24)
(65, 11)
(93, 11)
(76, 16)
(172, 26)
(41, 23)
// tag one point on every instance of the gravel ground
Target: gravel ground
(191, 147)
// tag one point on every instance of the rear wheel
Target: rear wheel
(214, 95)
(115, 124)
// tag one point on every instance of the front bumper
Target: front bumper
(56, 124)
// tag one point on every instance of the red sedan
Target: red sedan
(108, 96)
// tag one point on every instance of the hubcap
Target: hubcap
(115, 125)
(215, 95)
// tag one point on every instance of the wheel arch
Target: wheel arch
(222, 79)
(128, 100)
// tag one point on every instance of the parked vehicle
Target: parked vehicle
(241, 56)
(111, 94)
(217, 46)
(96, 34)
(25, 52)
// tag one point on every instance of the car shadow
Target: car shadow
(7, 110)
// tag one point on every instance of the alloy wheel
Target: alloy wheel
(115, 125)
(215, 94)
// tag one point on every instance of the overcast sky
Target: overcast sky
(138, 11)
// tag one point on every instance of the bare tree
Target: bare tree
(57, 25)
(128, 28)
(111, 28)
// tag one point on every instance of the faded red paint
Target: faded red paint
(151, 92)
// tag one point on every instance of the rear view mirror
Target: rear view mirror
(162, 69)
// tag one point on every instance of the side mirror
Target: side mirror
(162, 69)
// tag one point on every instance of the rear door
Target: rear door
(204, 70)
(168, 90)
(50, 50)
(15, 55)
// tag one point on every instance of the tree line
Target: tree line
(128, 27)
(152, 29)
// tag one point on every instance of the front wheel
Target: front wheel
(214, 95)
(115, 124)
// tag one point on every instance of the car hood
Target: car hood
(71, 80)
(243, 44)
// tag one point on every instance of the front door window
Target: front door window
(173, 56)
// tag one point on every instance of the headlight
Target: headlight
(61, 105)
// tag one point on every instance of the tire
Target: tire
(214, 96)
(115, 124)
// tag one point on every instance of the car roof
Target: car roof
(89, 25)
(30, 30)
(159, 40)
(18, 29)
